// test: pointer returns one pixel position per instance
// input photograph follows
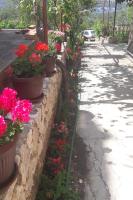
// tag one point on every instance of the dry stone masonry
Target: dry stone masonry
(32, 144)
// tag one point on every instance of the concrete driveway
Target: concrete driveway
(105, 123)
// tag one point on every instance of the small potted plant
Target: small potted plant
(58, 42)
(13, 113)
(59, 38)
(49, 60)
(28, 70)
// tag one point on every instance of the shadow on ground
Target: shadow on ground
(106, 83)
(116, 78)
(86, 164)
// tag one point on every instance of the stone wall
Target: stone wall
(32, 144)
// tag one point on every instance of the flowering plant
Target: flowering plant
(29, 59)
(56, 36)
(69, 53)
(65, 27)
(72, 54)
(13, 113)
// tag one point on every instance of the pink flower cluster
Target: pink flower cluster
(21, 111)
(10, 105)
(3, 125)
(7, 100)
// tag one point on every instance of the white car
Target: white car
(89, 35)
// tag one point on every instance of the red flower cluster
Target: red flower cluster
(41, 46)
(12, 108)
(35, 58)
(3, 126)
(58, 47)
(60, 144)
(22, 49)
(62, 128)
(56, 160)
(56, 165)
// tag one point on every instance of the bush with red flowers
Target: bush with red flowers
(13, 113)
(29, 60)
(55, 176)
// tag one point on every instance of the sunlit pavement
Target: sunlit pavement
(105, 121)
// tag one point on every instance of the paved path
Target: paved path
(105, 122)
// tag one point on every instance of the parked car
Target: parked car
(89, 35)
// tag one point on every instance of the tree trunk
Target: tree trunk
(45, 22)
(108, 15)
(114, 18)
(104, 11)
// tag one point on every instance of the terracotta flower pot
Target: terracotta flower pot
(29, 88)
(49, 64)
(7, 161)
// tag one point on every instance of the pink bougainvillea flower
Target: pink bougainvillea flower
(7, 100)
(21, 50)
(21, 111)
(35, 58)
(3, 126)
(40, 46)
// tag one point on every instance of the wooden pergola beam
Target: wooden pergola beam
(45, 21)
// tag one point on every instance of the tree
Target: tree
(68, 11)
(114, 23)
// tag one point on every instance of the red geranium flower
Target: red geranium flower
(56, 160)
(35, 58)
(40, 46)
(58, 47)
(21, 50)
(60, 144)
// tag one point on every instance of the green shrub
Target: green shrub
(98, 26)
(12, 24)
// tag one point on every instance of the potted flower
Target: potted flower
(49, 60)
(28, 70)
(57, 38)
(13, 113)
